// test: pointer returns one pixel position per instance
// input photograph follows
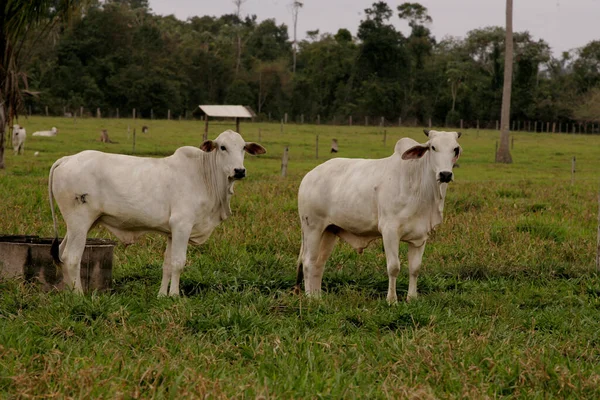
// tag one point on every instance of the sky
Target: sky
(563, 24)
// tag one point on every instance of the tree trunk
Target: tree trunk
(2, 134)
(503, 154)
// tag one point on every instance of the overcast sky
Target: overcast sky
(563, 24)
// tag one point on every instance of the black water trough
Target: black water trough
(29, 257)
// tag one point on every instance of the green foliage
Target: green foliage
(119, 54)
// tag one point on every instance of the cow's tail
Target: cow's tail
(300, 270)
(54, 249)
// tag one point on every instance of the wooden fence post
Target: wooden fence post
(512, 142)
(573, 171)
(535, 126)
(461, 123)
(382, 123)
(496, 124)
(366, 121)
(350, 120)
(598, 243)
(318, 119)
(496, 150)
(98, 114)
(133, 140)
(46, 111)
(317, 148)
(284, 162)
(285, 117)
(151, 113)
(134, 113)
(205, 136)
(429, 122)
(547, 127)
(169, 114)
(554, 127)
(81, 112)
(399, 121)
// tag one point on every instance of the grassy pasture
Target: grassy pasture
(508, 307)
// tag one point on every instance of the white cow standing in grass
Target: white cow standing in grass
(18, 139)
(398, 198)
(183, 196)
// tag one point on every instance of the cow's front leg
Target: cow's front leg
(180, 235)
(391, 241)
(166, 276)
(415, 256)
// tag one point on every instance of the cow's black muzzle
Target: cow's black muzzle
(445, 176)
(239, 173)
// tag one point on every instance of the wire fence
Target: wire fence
(541, 126)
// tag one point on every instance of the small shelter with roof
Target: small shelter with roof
(235, 112)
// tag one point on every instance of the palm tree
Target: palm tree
(19, 19)
(503, 154)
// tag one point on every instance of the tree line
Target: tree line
(117, 54)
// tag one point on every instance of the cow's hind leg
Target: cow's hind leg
(179, 240)
(71, 254)
(391, 241)
(318, 246)
(166, 275)
(415, 256)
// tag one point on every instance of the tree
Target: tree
(238, 8)
(503, 154)
(589, 109)
(19, 20)
(296, 6)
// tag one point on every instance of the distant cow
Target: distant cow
(334, 146)
(18, 139)
(399, 198)
(104, 137)
(183, 196)
(49, 133)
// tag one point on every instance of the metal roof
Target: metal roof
(228, 111)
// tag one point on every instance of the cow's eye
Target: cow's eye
(456, 151)
(223, 148)
(433, 148)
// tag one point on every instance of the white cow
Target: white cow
(49, 133)
(18, 139)
(399, 198)
(183, 196)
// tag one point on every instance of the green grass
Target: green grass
(508, 298)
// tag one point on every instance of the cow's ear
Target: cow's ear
(458, 134)
(426, 132)
(414, 152)
(208, 146)
(254, 148)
